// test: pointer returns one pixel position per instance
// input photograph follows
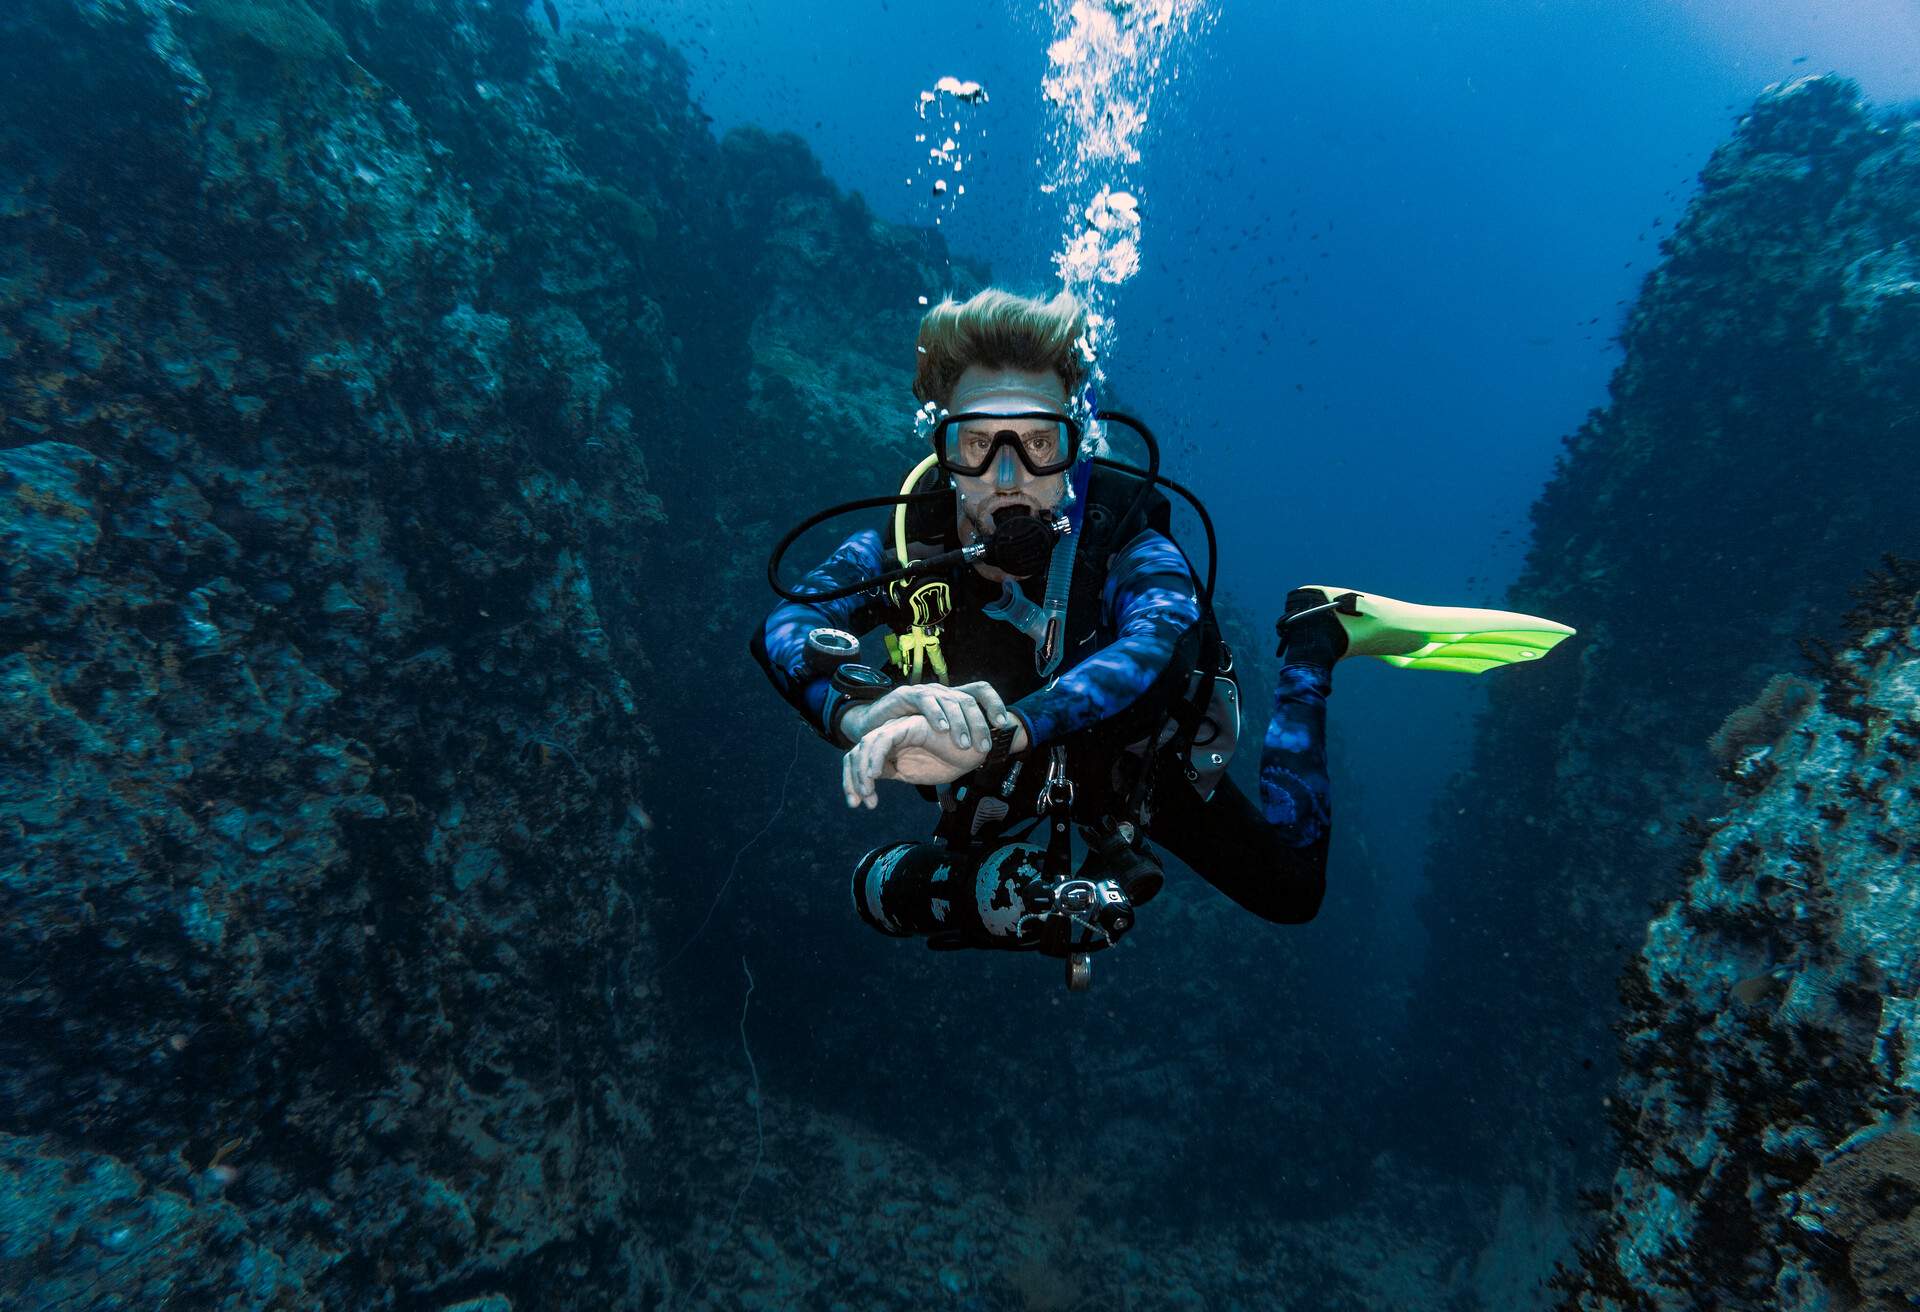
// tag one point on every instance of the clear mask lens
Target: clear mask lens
(973, 444)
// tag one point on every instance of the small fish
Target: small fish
(1750, 992)
(553, 15)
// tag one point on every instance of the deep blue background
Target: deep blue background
(1461, 197)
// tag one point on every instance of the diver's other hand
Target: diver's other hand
(908, 749)
(967, 714)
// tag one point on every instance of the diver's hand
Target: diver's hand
(908, 749)
(967, 714)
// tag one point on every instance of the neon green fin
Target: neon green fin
(1462, 638)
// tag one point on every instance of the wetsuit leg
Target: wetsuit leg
(960, 898)
(1271, 860)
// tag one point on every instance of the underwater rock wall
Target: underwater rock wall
(1756, 458)
(1768, 1119)
(315, 838)
(341, 348)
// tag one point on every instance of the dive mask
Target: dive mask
(968, 443)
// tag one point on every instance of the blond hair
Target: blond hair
(999, 330)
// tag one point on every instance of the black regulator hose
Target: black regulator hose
(1152, 476)
(865, 503)
(1206, 520)
(1152, 471)
(1021, 546)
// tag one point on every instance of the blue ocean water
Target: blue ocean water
(418, 900)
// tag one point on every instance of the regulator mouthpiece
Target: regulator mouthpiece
(1022, 543)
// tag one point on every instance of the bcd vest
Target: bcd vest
(1186, 722)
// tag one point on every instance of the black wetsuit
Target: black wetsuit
(1270, 859)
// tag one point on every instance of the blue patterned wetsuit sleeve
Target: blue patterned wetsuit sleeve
(1294, 793)
(781, 648)
(1151, 598)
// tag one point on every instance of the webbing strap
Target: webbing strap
(1056, 800)
(916, 649)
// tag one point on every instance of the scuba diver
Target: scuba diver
(1055, 664)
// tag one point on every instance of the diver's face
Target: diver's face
(1007, 482)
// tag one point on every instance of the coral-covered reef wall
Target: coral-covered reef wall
(1754, 460)
(342, 346)
(1770, 1151)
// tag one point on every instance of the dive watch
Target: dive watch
(860, 683)
(848, 685)
(1000, 746)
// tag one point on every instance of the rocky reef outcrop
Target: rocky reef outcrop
(340, 346)
(1768, 1118)
(1753, 461)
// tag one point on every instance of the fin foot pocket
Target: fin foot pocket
(1311, 632)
